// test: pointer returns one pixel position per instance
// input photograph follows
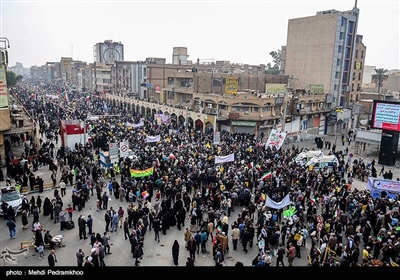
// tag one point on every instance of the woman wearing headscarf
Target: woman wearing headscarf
(24, 219)
(47, 207)
(175, 252)
(38, 237)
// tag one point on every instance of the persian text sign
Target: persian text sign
(3, 88)
(275, 88)
(376, 186)
(231, 85)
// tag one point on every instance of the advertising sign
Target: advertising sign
(231, 85)
(386, 115)
(376, 186)
(275, 88)
(316, 89)
(3, 88)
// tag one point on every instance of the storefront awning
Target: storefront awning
(243, 123)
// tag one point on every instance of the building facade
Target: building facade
(108, 52)
(320, 50)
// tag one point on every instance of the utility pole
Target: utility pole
(285, 100)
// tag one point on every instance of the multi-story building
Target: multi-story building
(99, 77)
(320, 50)
(108, 52)
(358, 70)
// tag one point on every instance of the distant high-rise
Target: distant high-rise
(108, 52)
(320, 50)
(180, 56)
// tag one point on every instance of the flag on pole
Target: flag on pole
(87, 97)
(251, 165)
(157, 162)
(266, 175)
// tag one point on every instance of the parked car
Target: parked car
(12, 196)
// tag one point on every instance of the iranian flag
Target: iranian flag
(266, 175)
(251, 165)
(87, 97)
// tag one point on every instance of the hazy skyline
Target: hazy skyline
(237, 31)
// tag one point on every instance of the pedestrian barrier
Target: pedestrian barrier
(48, 185)
(28, 244)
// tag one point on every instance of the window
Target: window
(356, 54)
(346, 65)
(265, 109)
(359, 76)
(350, 27)
(342, 22)
(144, 72)
(352, 87)
(256, 109)
(337, 75)
(360, 65)
(170, 81)
(217, 82)
(362, 54)
(338, 62)
(341, 36)
(340, 49)
(347, 53)
(335, 87)
(354, 76)
(348, 40)
(355, 65)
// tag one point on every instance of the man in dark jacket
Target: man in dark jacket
(82, 227)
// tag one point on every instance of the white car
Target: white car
(12, 196)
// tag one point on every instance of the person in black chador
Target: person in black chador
(175, 252)
(47, 207)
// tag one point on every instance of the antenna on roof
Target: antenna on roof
(355, 4)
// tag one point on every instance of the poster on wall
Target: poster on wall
(275, 139)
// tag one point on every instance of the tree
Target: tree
(379, 77)
(276, 59)
(12, 79)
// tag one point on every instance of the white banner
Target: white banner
(152, 138)
(277, 205)
(138, 124)
(228, 158)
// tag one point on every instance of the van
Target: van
(304, 157)
(319, 163)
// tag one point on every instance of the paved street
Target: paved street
(155, 254)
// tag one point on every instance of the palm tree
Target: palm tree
(379, 77)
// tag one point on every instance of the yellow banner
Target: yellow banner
(275, 88)
(3, 88)
(231, 85)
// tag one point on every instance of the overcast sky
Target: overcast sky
(237, 31)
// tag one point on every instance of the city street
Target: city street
(155, 254)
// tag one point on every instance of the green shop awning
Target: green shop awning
(243, 123)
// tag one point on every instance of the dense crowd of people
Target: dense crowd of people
(224, 204)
